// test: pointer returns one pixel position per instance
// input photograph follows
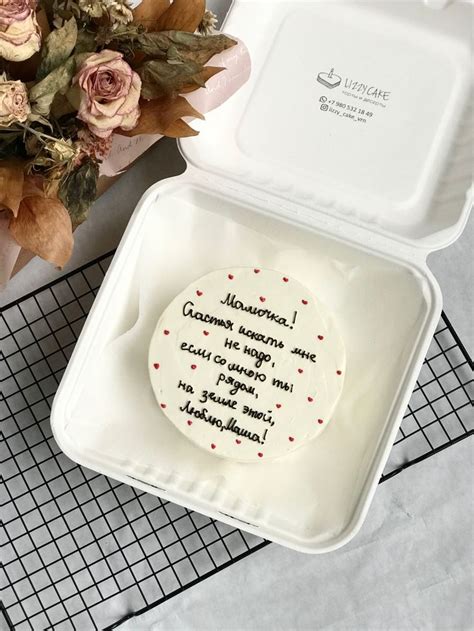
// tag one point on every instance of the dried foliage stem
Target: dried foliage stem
(39, 134)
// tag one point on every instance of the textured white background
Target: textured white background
(411, 565)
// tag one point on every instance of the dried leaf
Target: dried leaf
(198, 48)
(78, 190)
(51, 184)
(33, 186)
(57, 47)
(12, 144)
(159, 78)
(172, 110)
(182, 15)
(164, 116)
(86, 42)
(149, 12)
(120, 36)
(180, 129)
(42, 94)
(49, 8)
(61, 106)
(79, 58)
(44, 227)
(11, 186)
(178, 46)
(204, 76)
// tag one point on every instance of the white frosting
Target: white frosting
(247, 363)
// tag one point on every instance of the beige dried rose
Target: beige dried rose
(14, 104)
(20, 36)
(109, 93)
(117, 11)
(208, 23)
(92, 8)
(61, 150)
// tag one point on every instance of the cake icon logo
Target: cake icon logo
(329, 79)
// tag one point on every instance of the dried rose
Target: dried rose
(119, 13)
(14, 104)
(20, 35)
(116, 11)
(15, 11)
(92, 146)
(61, 150)
(109, 93)
(208, 23)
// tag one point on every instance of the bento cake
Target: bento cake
(247, 364)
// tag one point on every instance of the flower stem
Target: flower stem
(39, 134)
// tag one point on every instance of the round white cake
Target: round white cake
(247, 364)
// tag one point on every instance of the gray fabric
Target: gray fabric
(409, 568)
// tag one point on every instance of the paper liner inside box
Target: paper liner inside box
(112, 415)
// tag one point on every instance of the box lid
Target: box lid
(359, 110)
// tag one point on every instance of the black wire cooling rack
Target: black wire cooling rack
(81, 551)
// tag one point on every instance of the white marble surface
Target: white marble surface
(409, 568)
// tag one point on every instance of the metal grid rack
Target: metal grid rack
(81, 551)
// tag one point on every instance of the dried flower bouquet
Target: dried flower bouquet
(72, 74)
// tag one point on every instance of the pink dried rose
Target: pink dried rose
(109, 93)
(14, 104)
(20, 36)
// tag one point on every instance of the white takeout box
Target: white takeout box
(343, 162)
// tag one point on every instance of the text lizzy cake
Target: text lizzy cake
(247, 364)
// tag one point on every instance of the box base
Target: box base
(105, 414)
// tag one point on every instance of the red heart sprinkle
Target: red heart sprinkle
(166, 332)
(285, 279)
(190, 423)
(257, 271)
(238, 441)
(300, 370)
(320, 337)
(206, 333)
(291, 439)
(213, 446)
(310, 399)
(320, 421)
(156, 366)
(193, 366)
(305, 302)
(278, 405)
(163, 405)
(260, 455)
(338, 372)
(199, 293)
(230, 276)
(262, 298)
